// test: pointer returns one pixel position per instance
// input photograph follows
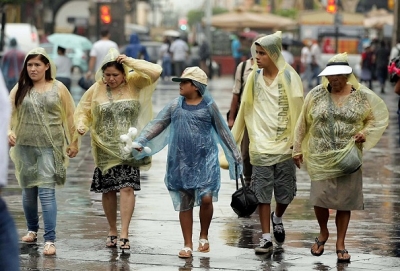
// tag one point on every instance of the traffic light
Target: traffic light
(391, 4)
(183, 24)
(105, 14)
(331, 6)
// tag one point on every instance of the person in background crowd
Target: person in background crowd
(305, 59)
(11, 64)
(166, 62)
(288, 56)
(99, 50)
(316, 63)
(135, 49)
(9, 247)
(64, 67)
(367, 63)
(236, 50)
(382, 54)
(179, 50)
(338, 116)
(195, 54)
(270, 105)
(118, 100)
(394, 75)
(205, 57)
(395, 51)
(41, 136)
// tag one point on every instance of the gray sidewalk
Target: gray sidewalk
(373, 238)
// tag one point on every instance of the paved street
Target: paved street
(373, 237)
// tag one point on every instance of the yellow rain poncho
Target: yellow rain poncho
(44, 127)
(362, 111)
(254, 112)
(108, 118)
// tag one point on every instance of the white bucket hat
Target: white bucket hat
(192, 73)
(336, 68)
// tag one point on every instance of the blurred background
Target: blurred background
(338, 25)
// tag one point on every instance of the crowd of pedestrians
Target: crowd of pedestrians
(274, 128)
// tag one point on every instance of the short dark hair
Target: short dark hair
(104, 32)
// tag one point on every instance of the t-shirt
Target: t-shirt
(179, 49)
(100, 49)
(64, 65)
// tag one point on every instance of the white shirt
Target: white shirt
(316, 53)
(305, 55)
(179, 49)
(5, 117)
(288, 56)
(64, 65)
(100, 49)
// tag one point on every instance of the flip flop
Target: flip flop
(185, 252)
(202, 243)
(319, 243)
(342, 260)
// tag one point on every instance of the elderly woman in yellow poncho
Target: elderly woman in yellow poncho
(340, 119)
(120, 99)
(271, 103)
(42, 138)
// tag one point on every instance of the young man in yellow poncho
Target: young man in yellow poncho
(271, 104)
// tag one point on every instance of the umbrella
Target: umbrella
(67, 40)
(249, 34)
(171, 33)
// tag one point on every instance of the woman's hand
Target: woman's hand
(12, 139)
(121, 58)
(81, 130)
(71, 152)
(298, 160)
(359, 137)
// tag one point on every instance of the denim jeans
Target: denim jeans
(49, 210)
(9, 248)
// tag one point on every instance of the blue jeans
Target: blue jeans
(167, 67)
(47, 198)
(9, 248)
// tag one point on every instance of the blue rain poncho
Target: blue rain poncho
(192, 133)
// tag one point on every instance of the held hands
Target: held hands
(359, 137)
(12, 139)
(298, 160)
(72, 152)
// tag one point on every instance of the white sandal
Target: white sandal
(202, 243)
(187, 251)
(49, 248)
(30, 237)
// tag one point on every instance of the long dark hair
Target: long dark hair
(25, 83)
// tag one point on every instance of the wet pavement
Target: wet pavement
(373, 237)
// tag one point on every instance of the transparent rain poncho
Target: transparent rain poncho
(361, 111)
(251, 108)
(192, 134)
(44, 127)
(109, 118)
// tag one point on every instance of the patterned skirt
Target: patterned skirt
(116, 178)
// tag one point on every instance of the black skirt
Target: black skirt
(116, 178)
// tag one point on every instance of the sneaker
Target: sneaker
(264, 247)
(279, 231)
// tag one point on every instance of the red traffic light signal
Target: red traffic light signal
(331, 6)
(105, 14)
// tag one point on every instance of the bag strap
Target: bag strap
(241, 79)
(241, 180)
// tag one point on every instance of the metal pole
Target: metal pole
(396, 28)
(208, 14)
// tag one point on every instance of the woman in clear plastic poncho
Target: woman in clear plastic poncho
(120, 99)
(337, 115)
(192, 126)
(42, 138)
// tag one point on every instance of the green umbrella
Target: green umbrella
(67, 40)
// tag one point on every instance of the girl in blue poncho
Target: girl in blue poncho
(192, 126)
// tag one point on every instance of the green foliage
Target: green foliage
(290, 13)
(196, 15)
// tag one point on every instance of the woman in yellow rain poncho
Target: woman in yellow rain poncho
(339, 118)
(120, 99)
(42, 138)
